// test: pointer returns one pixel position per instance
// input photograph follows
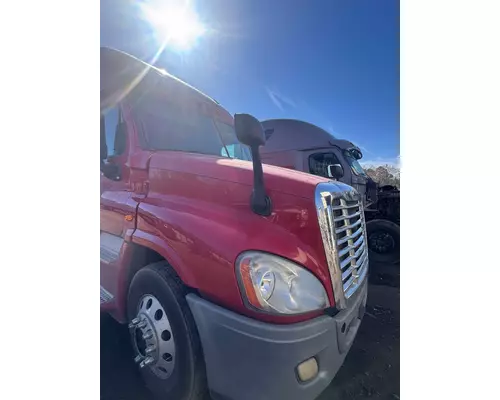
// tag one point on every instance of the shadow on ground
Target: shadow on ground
(371, 369)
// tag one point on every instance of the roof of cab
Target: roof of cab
(125, 69)
(293, 134)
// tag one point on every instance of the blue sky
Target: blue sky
(334, 63)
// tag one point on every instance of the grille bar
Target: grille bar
(354, 246)
(352, 257)
(362, 275)
(344, 228)
(363, 258)
(353, 271)
(343, 217)
(353, 236)
(342, 207)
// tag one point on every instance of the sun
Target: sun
(175, 22)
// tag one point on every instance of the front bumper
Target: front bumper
(249, 359)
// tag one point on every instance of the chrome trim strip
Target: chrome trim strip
(105, 296)
(110, 247)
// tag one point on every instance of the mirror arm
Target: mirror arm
(260, 201)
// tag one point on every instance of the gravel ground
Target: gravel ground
(371, 369)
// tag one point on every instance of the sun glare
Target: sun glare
(175, 22)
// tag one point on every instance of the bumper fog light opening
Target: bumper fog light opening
(307, 370)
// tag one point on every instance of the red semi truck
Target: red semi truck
(244, 280)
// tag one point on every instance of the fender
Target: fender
(126, 266)
(162, 247)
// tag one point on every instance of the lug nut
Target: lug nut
(147, 335)
(138, 358)
(147, 361)
(134, 322)
(150, 349)
(142, 324)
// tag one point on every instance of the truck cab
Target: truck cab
(241, 279)
(302, 146)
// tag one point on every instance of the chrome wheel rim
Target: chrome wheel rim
(153, 339)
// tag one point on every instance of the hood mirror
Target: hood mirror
(250, 132)
(335, 171)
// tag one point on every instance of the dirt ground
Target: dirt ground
(371, 369)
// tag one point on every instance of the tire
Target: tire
(187, 379)
(389, 252)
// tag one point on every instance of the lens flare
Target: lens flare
(176, 24)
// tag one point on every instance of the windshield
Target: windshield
(354, 164)
(170, 126)
(232, 148)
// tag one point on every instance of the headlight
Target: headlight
(274, 284)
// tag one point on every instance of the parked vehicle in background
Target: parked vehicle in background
(243, 279)
(305, 147)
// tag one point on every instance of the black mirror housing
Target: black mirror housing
(111, 171)
(335, 171)
(249, 130)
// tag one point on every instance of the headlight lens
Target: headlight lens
(274, 284)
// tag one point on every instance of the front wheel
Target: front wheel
(166, 345)
(383, 241)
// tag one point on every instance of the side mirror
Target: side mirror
(335, 171)
(111, 171)
(249, 130)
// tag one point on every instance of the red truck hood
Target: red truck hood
(237, 171)
(200, 205)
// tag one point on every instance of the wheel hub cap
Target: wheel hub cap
(152, 336)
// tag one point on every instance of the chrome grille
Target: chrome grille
(342, 225)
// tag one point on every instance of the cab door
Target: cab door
(117, 209)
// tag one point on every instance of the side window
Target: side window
(114, 132)
(319, 162)
(230, 149)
